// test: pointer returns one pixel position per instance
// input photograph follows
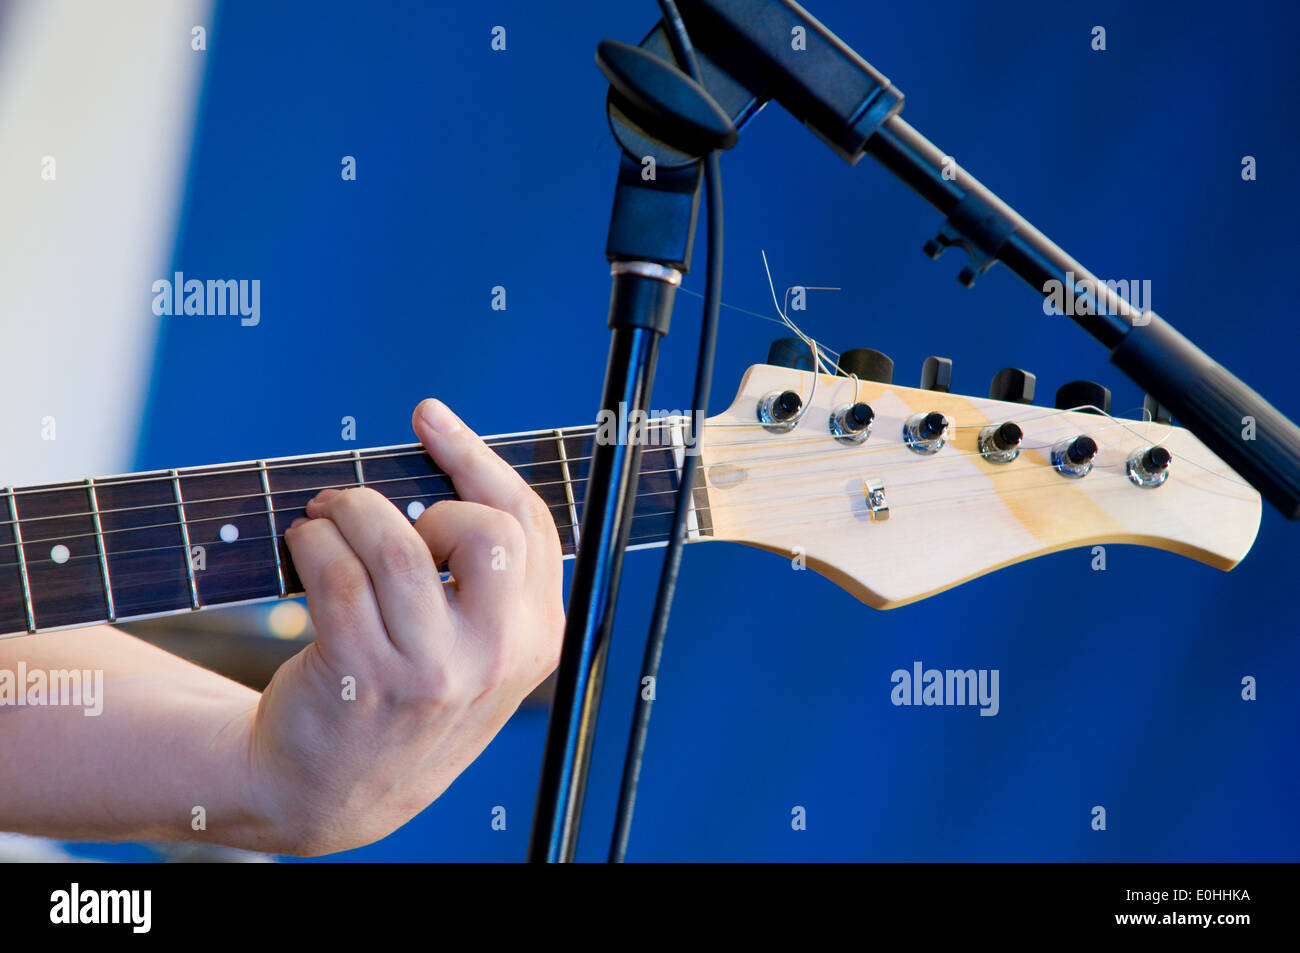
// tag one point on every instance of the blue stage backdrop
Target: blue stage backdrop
(478, 168)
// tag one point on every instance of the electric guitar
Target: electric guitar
(894, 493)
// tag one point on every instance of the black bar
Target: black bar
(639, 311)
(855, 110)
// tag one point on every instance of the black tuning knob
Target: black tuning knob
(1081, 450)
(858, 417)
(1005, 437)
(1083, 395)
(785, 406)
(868, 365)
(852, 424)
(1156, 459)
(926, 433)
(1072, 456)
(1000, 443)
(933, 425)
(1013, 384)
(779, 411)
(790, 352)
(1148, 466)
(936, 374)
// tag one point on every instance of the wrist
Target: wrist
(242, 812)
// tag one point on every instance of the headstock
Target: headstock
(952, 514)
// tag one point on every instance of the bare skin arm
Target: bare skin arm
(304, 768)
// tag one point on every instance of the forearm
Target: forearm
(406, 683)
(165, 759)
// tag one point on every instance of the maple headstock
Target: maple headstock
(952, 515)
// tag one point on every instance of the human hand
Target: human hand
(437, 670)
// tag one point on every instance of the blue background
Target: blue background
(479, 168)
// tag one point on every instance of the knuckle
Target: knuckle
(534, 515)
(432, 688)
(496, 667)
(435, 514)
(536, 512)
(494, 535)
(344, 581)
(401, 557)
(510, 532)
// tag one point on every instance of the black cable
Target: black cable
(685, 54)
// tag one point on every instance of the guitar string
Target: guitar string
(345, 457)
(815, 349)
(536, 438)
(263, 511)
(712, 448)
(121, 575)
(267, 564)
(838, 498)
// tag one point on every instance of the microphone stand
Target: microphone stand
(750, 52)
(651, 235)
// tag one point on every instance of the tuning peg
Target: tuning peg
(1073, 456)
(936, 374)
(1013, 384)
(1157, 411)
(1083, 395)
(869, 365)
(790, 352)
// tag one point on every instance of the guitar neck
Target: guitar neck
(149, 544)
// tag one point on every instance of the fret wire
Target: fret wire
(22, 563)
(679, 458)
(270, 518)
(356, 462)
(185, 538)
(568, 488)
(99, 542)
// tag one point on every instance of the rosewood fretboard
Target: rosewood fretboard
(127, 547)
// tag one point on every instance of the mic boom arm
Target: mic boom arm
(754, 51)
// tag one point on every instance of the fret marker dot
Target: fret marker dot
(229, 533)
(414, 509)
(60, 553)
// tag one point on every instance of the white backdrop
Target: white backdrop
(109, 91)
